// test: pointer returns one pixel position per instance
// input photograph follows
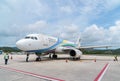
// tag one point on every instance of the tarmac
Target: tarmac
(89, 68)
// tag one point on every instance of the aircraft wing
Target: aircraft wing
(82, 47)
(86, 47)
(65, 49)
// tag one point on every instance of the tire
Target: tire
(54, 56)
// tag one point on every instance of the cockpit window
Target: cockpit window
(27, 37)
(34, 38)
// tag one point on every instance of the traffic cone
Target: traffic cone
(11, 58)
(95, 60)
(66, 60)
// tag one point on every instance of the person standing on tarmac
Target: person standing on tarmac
(116, 59)
(27, 57)
(6, 57)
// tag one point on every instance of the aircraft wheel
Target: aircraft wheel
(50, 56)
(38, 59)
(54, 56)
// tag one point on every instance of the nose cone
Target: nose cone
(20, 44)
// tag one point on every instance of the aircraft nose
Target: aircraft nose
(20, 44)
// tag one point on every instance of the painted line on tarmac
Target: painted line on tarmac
(102, 72)
(32, 74)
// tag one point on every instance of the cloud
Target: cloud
(66, 9)
(95, 35)
(109, 5)
(72, 28)
(114, 32)
(68, 32)
(60, 18)
(38, 25)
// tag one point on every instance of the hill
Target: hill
(86, 51)
(9, 49)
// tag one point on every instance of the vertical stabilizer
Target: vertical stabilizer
(78, 43)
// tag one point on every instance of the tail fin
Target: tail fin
(78, 43)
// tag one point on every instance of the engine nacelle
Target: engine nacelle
(75, 53)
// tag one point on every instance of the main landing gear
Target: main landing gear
(38, 58)
(76, 58)
(54, 56)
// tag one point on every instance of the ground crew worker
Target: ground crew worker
(116, 58)
(6, 57)
(27, 57)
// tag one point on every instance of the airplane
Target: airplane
(42, 44)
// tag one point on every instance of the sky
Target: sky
(96, 22)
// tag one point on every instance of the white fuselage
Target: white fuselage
(40, 43)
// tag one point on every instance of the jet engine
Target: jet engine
(75, 53)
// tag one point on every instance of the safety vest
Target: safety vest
(6, 56)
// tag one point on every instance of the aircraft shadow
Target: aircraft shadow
(45, 59)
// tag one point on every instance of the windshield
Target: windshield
(28, 37)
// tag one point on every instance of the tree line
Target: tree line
(10, 49)
(85, 51)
